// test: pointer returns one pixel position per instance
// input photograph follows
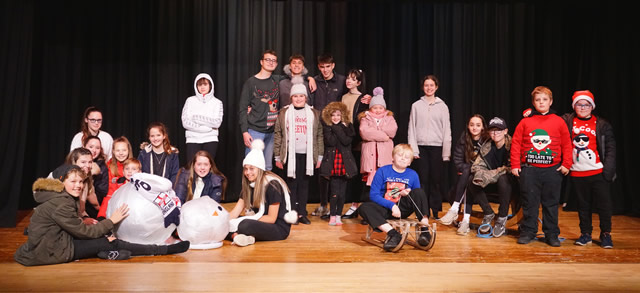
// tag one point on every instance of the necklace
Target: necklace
(159, 161)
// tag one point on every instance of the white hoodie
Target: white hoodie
(202, 115)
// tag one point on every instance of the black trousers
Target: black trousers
(593, 194)
(431, 168)
(299, 187)
(461, 185)
(89, 248)
(377, 215)
(478, 194)
(323, 189)
(262, 231)
(540, 185)
(193, 148)
(338, 188)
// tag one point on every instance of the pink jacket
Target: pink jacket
(376, 139)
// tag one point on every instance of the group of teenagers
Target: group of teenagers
(326, 128)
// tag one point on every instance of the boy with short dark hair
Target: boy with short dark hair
(396, 193)
(540, 156)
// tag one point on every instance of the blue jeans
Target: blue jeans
(267, 138)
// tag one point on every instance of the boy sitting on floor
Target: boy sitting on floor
(396, 193)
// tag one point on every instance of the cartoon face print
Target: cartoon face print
(540, 139)
(273, 105)
(581, 141)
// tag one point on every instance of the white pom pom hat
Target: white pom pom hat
(255, 157)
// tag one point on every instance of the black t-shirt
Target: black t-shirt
(497, 157)
(274, 195)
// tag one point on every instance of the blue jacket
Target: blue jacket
(172, 164)
(212, 186)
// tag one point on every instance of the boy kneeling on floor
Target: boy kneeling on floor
(396, 193)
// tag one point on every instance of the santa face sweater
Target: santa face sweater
(586, 160)
(541, 141)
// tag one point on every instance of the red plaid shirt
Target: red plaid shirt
(338, 165)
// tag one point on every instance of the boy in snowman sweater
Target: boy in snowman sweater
(594, 166)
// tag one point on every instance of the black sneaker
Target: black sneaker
(526, 238)
(425, 236)
(351, 213)
(486, 223)
(115, 254)
(585, 238)
(304, 220)
(605, 240)
(553, 241)
(392, 241)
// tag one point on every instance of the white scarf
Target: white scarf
(291, 148)
(233, 223)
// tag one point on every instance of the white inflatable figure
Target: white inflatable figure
(153, 209)
(583, 157)
(203, 222)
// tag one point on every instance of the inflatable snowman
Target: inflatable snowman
(203, 222)
(154, 209)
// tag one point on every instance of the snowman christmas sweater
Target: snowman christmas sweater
(541, 141)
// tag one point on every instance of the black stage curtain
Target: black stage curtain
(136, 60)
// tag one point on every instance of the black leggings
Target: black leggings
(299, 187)
(477, 194)
(338, 193)
(262, 231)
(431, 168)
(193, 148)
(89, 248)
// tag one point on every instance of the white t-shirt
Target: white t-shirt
(105, 139)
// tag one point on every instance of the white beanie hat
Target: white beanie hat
(378, 98)
(297, 87)
(255, 157)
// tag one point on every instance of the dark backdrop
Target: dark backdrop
(136, 60)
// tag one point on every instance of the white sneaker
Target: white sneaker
(449, 217)
(463, 228)
(243, 240)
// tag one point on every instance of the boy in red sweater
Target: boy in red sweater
(541, 153)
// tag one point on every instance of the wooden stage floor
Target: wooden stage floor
(321, 258)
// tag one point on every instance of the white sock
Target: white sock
(455, 206)
(466, 218)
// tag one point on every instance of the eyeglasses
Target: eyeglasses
(540, 141)
(496, 131)
(583, 106)
(95, 120)
(270, 60)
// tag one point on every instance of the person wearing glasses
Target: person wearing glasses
(492, 166)
(91, 125)
(259, 105)
(594, 166)
(540, 156)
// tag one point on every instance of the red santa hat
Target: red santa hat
(583, 95)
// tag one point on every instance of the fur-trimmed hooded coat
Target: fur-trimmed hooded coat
(54, 224)
(337, 136)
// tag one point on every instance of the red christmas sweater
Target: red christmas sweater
(541, 141)
(586, 159)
